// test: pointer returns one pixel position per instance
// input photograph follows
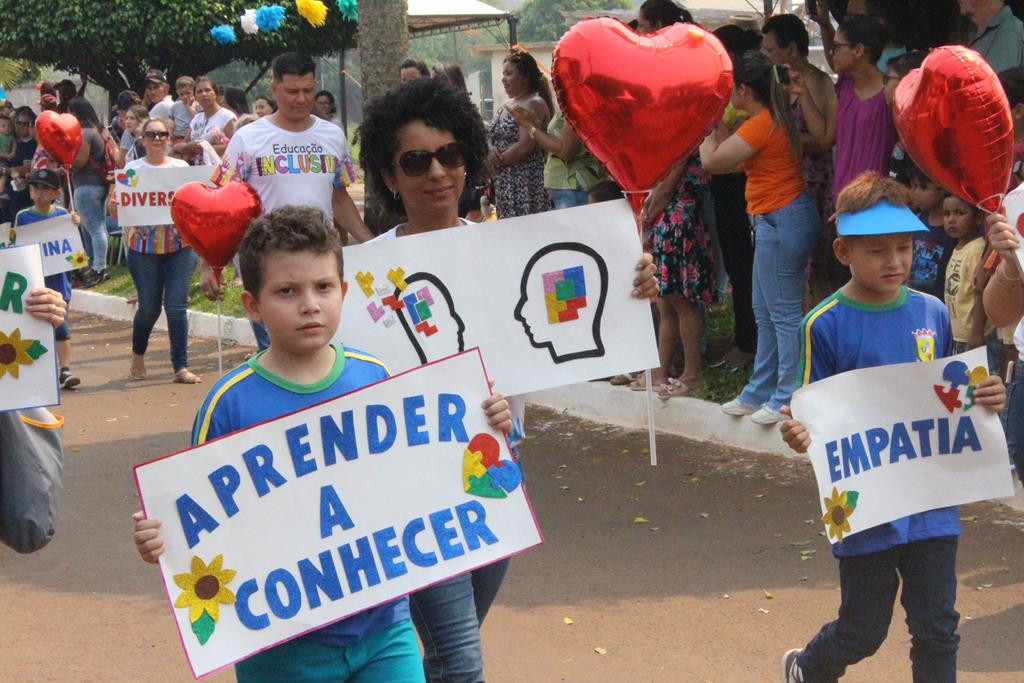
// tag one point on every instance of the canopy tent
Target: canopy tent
(430, 17)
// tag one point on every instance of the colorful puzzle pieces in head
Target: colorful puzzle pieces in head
(957, 375)
(565, 292)
(484, 474)
(418, 306)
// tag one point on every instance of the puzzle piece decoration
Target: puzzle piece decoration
(383, 290)
(484, 474)
(956, 374)
(977, 374)
(394, 303)
(397, 278)
(471, 467)
(426, 328)
(949, 397)
(565, 292)
(376, 310)
(365, 281)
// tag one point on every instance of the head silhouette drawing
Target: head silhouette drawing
(429, 319)
(561, 299)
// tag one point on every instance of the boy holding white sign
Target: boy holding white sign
(871, 321)
(291, 266)
(44, 186)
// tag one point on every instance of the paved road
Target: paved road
(680, 597)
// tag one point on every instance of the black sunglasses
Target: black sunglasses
(156, 135)
(416, 162)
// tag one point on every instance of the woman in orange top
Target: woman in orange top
(785, 222)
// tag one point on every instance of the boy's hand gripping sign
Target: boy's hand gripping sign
(893, 441)
(284, 527)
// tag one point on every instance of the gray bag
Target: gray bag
(31, 477)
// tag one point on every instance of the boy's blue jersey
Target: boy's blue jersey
(60, 282)
(250, 394)
(840, 335)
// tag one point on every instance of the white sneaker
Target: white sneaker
(738, 408)
(791, 672)
(767, 416)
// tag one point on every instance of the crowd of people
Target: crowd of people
(838, 249)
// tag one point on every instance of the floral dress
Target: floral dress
(679, 242)
(518, 188)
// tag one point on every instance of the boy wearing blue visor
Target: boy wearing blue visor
(872, 320)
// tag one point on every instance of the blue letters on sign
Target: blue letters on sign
(415, 435)
(325, 578)
(280, 608)
(332, 512)
(193, 518)
(251, 621)
(374, 414)
(451, 411)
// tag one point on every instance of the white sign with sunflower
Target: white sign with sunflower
(59, 240)
(28, 365)
(896, 440)
(276, 530)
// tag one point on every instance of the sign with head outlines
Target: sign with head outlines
(547, 297)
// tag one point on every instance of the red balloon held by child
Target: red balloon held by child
(60, 135)
(213, 220)
(954, 121)
(640, 103)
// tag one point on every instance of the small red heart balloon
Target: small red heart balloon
(954, 120)
(60, 135)
(213, 220)
(640, 103)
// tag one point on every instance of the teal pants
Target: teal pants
(385, 657)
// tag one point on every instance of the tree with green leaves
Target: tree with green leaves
(542, 20)
(112, 44)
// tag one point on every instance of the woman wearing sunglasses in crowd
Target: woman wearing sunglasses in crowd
(160, 265)
(420, 144)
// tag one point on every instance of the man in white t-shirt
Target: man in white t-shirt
(158, 95)
(292, 157)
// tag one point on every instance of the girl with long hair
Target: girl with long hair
(786, 226)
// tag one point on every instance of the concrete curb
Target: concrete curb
(199, 324)
(598, 401)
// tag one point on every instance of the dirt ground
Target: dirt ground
(713, 586)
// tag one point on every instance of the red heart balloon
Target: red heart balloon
(954, 120)
(60, 135)
(640, 103)
(213, 219)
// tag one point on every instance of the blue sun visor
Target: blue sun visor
(884, 218)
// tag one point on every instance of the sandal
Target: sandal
(676, 387)
(186, 376)
(620, 380)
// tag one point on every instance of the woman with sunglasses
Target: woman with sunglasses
(161, 266)
(420, 144)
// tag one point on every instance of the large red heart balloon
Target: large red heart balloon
(213, 220)
(954, 121)
(640, 103)
(60, 135)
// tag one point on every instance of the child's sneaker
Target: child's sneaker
(766, 416)
(738, 408)
(68, 380)
(791, 672)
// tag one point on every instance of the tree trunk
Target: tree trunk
(383, 44)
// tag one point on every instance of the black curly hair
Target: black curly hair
(436, 104)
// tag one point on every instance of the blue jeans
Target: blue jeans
(448, 616)
(162, 279)
(566, 199)
(89, 204)
(1014, 418)
(869, 584)
(783, 240)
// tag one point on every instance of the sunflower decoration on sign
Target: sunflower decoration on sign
(204, 591)
(15, 352)
(79, 259)
(838, 508)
